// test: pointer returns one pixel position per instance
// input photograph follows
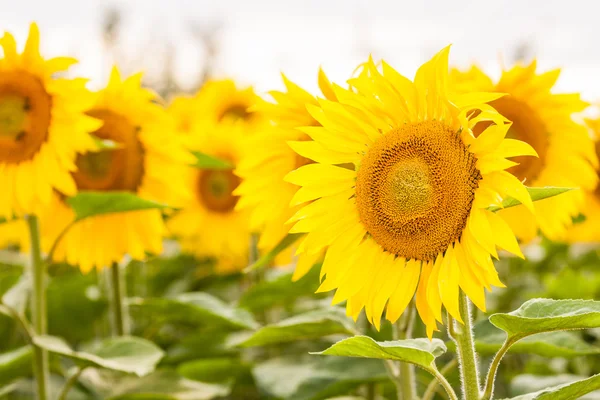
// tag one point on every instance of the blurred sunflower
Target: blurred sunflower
(221, 101)
(43, 126)
(545, 121)
(14, 233)
(263, 189)
(208, 224)
(588, 231)
(413, 217)
(148, 161)
(184, 111)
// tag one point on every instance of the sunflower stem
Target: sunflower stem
(38, 307)
(404, 378)
(118, 306)
(467, 358)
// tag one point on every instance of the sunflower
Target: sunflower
(222, 102)
(208, 224)
(14, 233)
(545, 121)
(412, 217)
(184, 111)
(588, 231)
(263, 189)
(148, 161)
(43, 126)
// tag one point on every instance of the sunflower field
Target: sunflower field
(431, 236)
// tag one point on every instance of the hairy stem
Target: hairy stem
(469, 373)
(488, 392)
(38, 307)
(118, 309)
(440, 379)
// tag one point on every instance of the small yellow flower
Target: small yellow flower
(43, 127)
(545, 121)
(149, 161)
(412, 217)
(263, 190)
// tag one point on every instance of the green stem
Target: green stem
(70, 382)
(118, 307)
(38, 306)
(440, 379)
(469, 374)
(488, 392)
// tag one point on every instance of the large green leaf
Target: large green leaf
(87, 204)
(536, 193)
(15, 363)
(279, 291)
(266, 259)
(193, 309)
(421, 352)
(567, 391)
(488, 339)
(547, 315)
(18, 295)
(310, 325)
(165, 385)
(125, 354)
(205, 161)
(213, 370)
(212, 343)
(315, 378)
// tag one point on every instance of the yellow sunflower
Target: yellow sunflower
(43, 126)
(14, 233)
(221, 101)
(588, 231)
(413, 216)
(149, 161)
(263, 189)
(208, 224)
(545, 121)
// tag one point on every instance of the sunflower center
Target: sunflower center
(528, 127)
(24, 116)
(235, 112)
(415, 188)
(112, 169)
(215, 189)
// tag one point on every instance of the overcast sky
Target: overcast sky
(259, 38)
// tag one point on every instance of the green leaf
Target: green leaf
(421, 352)
(266, 259)
(547, 315)
(310, 325)
(16, 363)
(165, 385)
(488, 339)
(205, 161)
(566, 391)
(279, 291)
(536, 193)
(213, 370)
(18, 295)
(208, 344)
(295, 378)
(193, 309)
(87, 204)
(106, 144)
(125, 354)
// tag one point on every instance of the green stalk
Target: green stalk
(469, 373)
(118, 306)
(38, 307)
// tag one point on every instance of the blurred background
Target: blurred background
(178, 43)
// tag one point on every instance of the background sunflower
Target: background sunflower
(546, 121)
(148, 160)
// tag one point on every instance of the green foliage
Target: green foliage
(90, 203)
(266, 259)
(310, 325)
(536, 193)
(205, 161)
(15, 363)
(421, 352)
(567, 391)
(125, 354)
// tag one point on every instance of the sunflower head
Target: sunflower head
(412, 215)
(43, 126)
(544, 120)
(147, 160)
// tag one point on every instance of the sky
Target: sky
(259, 39)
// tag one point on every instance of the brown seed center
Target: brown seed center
(215, 189)
(415, 188)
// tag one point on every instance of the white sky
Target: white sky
(260, 38)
